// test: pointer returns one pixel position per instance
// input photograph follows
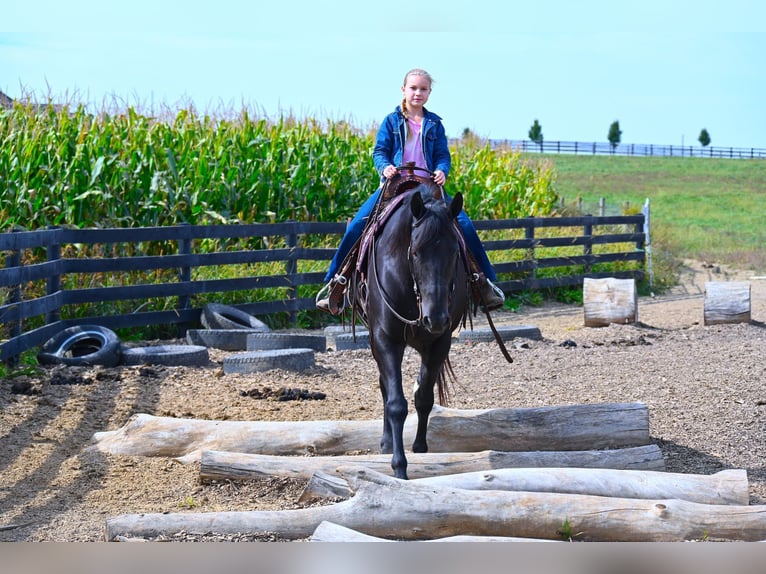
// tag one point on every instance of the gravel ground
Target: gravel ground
(703, 386)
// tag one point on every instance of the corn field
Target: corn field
(124, 169)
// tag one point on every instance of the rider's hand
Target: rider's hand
(439, 177)
(389, 171)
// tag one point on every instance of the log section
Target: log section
(405, 510)
(725, 487)
(568, 427)
(609, 300)
(221, 465)
(727, 302)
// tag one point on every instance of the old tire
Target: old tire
(506, 334)
(257, 361)
(352, 341)
(217, 316)
(168, 355)
(82, 345)
(224, 339)
(269, 341)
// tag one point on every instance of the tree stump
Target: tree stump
(609, 300)
(727, 302)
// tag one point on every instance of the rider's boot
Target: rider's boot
(330, 297)
(487, 295)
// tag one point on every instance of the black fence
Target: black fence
(38, 261)
(606, 148)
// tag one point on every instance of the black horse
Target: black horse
(414, 292)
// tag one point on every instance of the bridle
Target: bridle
(415, 287)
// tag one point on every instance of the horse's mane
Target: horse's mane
(432, 224)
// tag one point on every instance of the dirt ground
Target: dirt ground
(703, 386)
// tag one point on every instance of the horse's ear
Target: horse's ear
(456, 205)
(417, 205)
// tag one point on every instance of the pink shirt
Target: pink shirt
(413, 147)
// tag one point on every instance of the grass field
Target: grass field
(707, 209)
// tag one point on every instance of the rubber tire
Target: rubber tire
(82, 345)
(218, 316)
(269, 341)
(224, 339)
(506, 334)
(258, 361)
(168, 355)
(350, 342)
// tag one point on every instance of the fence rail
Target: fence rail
(17, 278)
(606, 148)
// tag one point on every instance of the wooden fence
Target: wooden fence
(47, 267)
(606, 148)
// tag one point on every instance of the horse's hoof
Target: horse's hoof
(386, 449)
(418, 447)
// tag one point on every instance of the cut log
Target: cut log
(331, 532)
(391, 508)
(322, 486)
(221, 465)
(727, 302)
(568, 427)
(609, 300)
(724, 487)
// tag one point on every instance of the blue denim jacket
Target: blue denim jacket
(389, 144)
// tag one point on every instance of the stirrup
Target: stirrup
(487, 295)
(330, 297)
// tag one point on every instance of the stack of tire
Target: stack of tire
(232, 329)
(96, 345)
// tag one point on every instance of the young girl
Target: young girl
(411, 134)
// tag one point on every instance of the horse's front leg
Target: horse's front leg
(430, 367)
(394, 406)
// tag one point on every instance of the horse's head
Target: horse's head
(435, 259)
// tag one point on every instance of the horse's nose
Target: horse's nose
(436, 324)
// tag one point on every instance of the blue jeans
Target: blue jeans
(356, 227)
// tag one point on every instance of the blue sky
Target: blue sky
(663, 69)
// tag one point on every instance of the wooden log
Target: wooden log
(331, 532)
(385, 506)
(609, 300)
(725, 487)
(322, 485)
(727, 302)
(567, 427)
(221, 465)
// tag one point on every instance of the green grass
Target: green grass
(706, 209)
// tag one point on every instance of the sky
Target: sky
(663, 69)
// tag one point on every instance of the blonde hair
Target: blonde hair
(413, 72)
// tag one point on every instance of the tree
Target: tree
(614, 134)
(704, 138)
(536, 134)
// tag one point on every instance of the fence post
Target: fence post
(291, 268)
(184, 273)
(588, 245)
(602, 206)
(13, 259)
(648, 241)
(529, 233)
(53, 253)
